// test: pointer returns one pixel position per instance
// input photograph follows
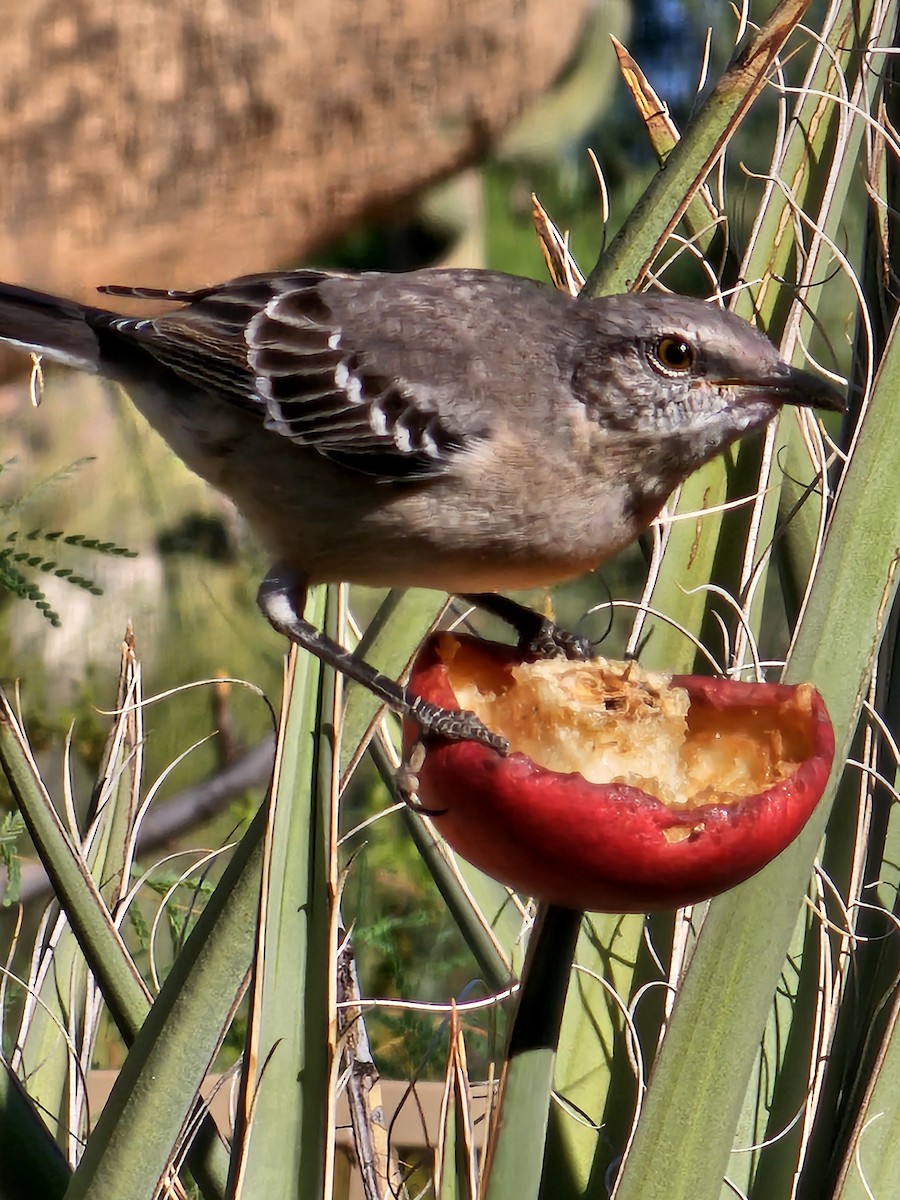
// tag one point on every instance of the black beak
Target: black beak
(805, 390)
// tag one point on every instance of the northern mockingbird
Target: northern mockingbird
(453, 429)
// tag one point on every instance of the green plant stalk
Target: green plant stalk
(868, 1044)
(33, 1165)
(818, 165)
(700, 558)
(594, 1074)
(516, 1153)
(64, 996)
(835, 1100)
(811, 173)
(45, 1055)
(107, 956)
(690, 553)
(686, 568)
(456, 1165)
(389, 642)
(819, 180)
(284, 1112)
(664, 136)
(781, 1072)
(490, 926)
(853, 1136)
(118, 780)
(140, 1129)
(812, 132)
(692, 546)
(102, 945)
(870, 1164)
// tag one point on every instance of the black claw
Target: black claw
(538, 635)
(456, 726)
(553, 642)
(412, 802)
(410, 798)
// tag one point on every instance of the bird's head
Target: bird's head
(683, 377)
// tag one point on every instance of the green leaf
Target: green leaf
(285, 1105)
(33, 1165)
(516, 1154)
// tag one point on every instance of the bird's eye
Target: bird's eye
(673, 355)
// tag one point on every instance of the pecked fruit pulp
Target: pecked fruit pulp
(624, 790)
(613, 722)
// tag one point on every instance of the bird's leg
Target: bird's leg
(282, 597)
(537, 634)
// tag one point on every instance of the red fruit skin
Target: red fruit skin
(603, 847)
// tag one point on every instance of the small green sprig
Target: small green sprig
(31, 550)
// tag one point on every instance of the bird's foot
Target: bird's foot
(550, 641)
(537, 634)
(281, 598)
(455, 726)
(407, 782)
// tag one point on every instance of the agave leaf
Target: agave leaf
(872, 1170)
(516, 1151)
(701, 216)
(140, 1137)
(817, 162)
(285, 1120)
(585, 1076)
(62, 995)
(33, 1165)
(98, 937)
(816, 165)
(481, 906)
(122, 986)
(488, 916)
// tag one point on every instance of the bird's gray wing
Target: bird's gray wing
(274, 345)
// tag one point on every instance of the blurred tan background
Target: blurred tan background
(166, 141)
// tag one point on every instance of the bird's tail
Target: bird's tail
(48, 325)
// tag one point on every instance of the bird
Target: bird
(457, 429)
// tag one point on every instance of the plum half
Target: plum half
(624, 790)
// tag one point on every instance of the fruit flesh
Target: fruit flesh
(614, 722)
